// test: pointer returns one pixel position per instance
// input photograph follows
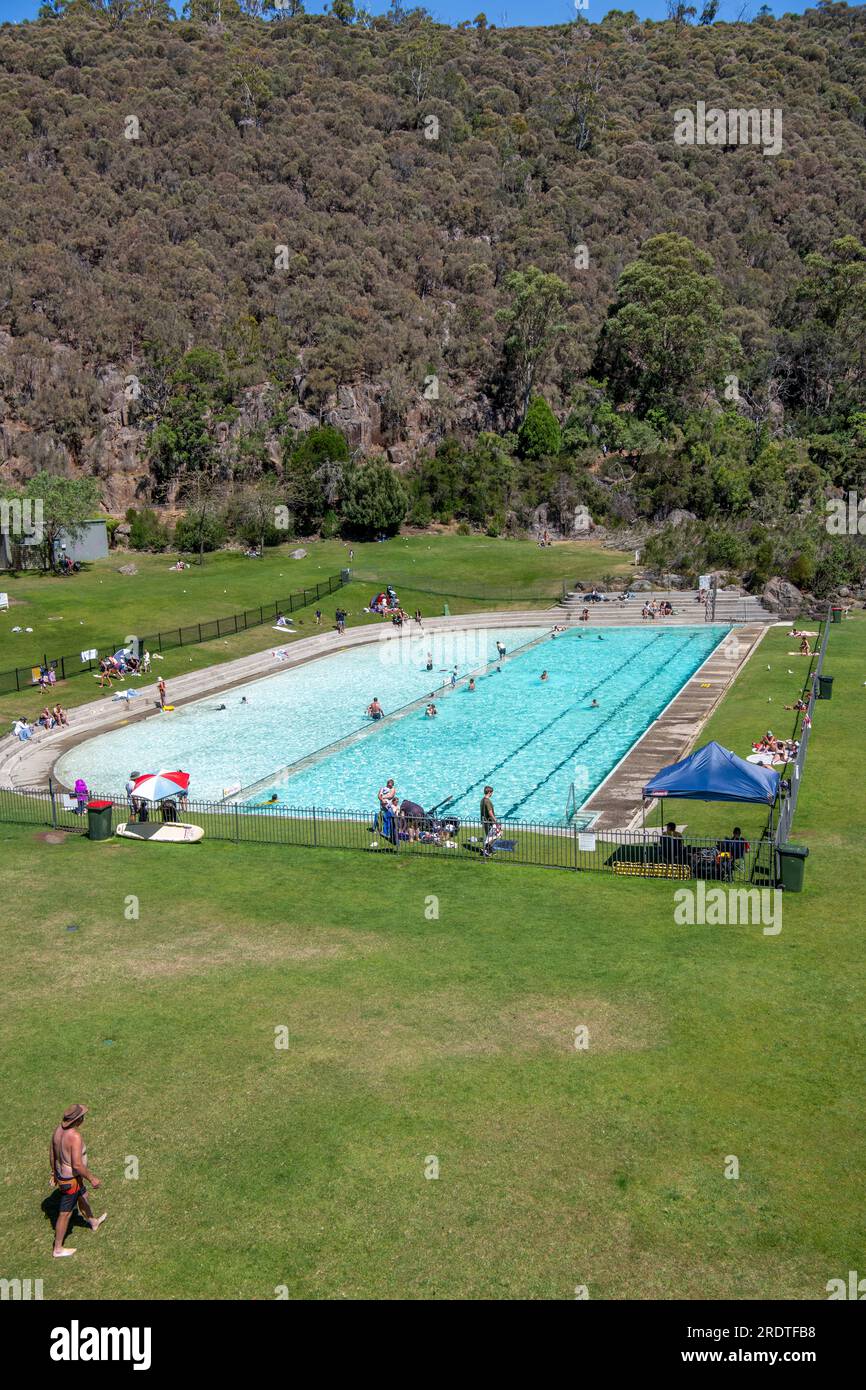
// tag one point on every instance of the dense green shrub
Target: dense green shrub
(146, 531)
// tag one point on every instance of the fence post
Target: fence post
(237, 827)
(315, 830)
(53, 803)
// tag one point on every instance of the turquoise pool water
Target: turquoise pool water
(532, 740)
(287, 715)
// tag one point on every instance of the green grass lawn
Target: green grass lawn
(100, 605)
(431, 1010)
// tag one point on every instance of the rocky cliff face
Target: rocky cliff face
(57, 411)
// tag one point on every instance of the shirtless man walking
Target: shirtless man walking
(68, 1172)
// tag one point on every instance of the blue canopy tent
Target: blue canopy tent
(714, 773)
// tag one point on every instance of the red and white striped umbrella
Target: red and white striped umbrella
(156, 786)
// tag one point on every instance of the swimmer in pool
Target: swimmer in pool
(431, 712)
(595, 705)
(374, 709)
(244, 700)
(544, 676)
(471, 682)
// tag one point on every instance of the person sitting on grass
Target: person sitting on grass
(736, 846)
(805, 649)
(798, 705)
(412, 817)
(671, 847)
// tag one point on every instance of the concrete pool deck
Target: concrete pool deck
(618, 801)
(615, 802)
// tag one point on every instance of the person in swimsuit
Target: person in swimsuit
(374, 709)
(68, 1158)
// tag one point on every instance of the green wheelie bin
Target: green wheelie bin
(792, 866)
(99, 820)
(825, 687)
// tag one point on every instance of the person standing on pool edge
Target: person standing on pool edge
(68, 1158)
(160, 685)
(488, 821)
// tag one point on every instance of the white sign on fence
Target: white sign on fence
(586, 841)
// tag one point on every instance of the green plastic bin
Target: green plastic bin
(825, 687)
(99, 820)
(836, 615)
(792, 864)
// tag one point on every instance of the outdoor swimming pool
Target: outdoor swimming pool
(532, 740)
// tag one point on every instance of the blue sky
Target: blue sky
(501, 12)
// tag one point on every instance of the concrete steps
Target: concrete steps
(730, 608)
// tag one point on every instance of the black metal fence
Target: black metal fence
(68, 666)
(793, 772)
(625, 854)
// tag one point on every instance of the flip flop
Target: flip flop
(63, 1254)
